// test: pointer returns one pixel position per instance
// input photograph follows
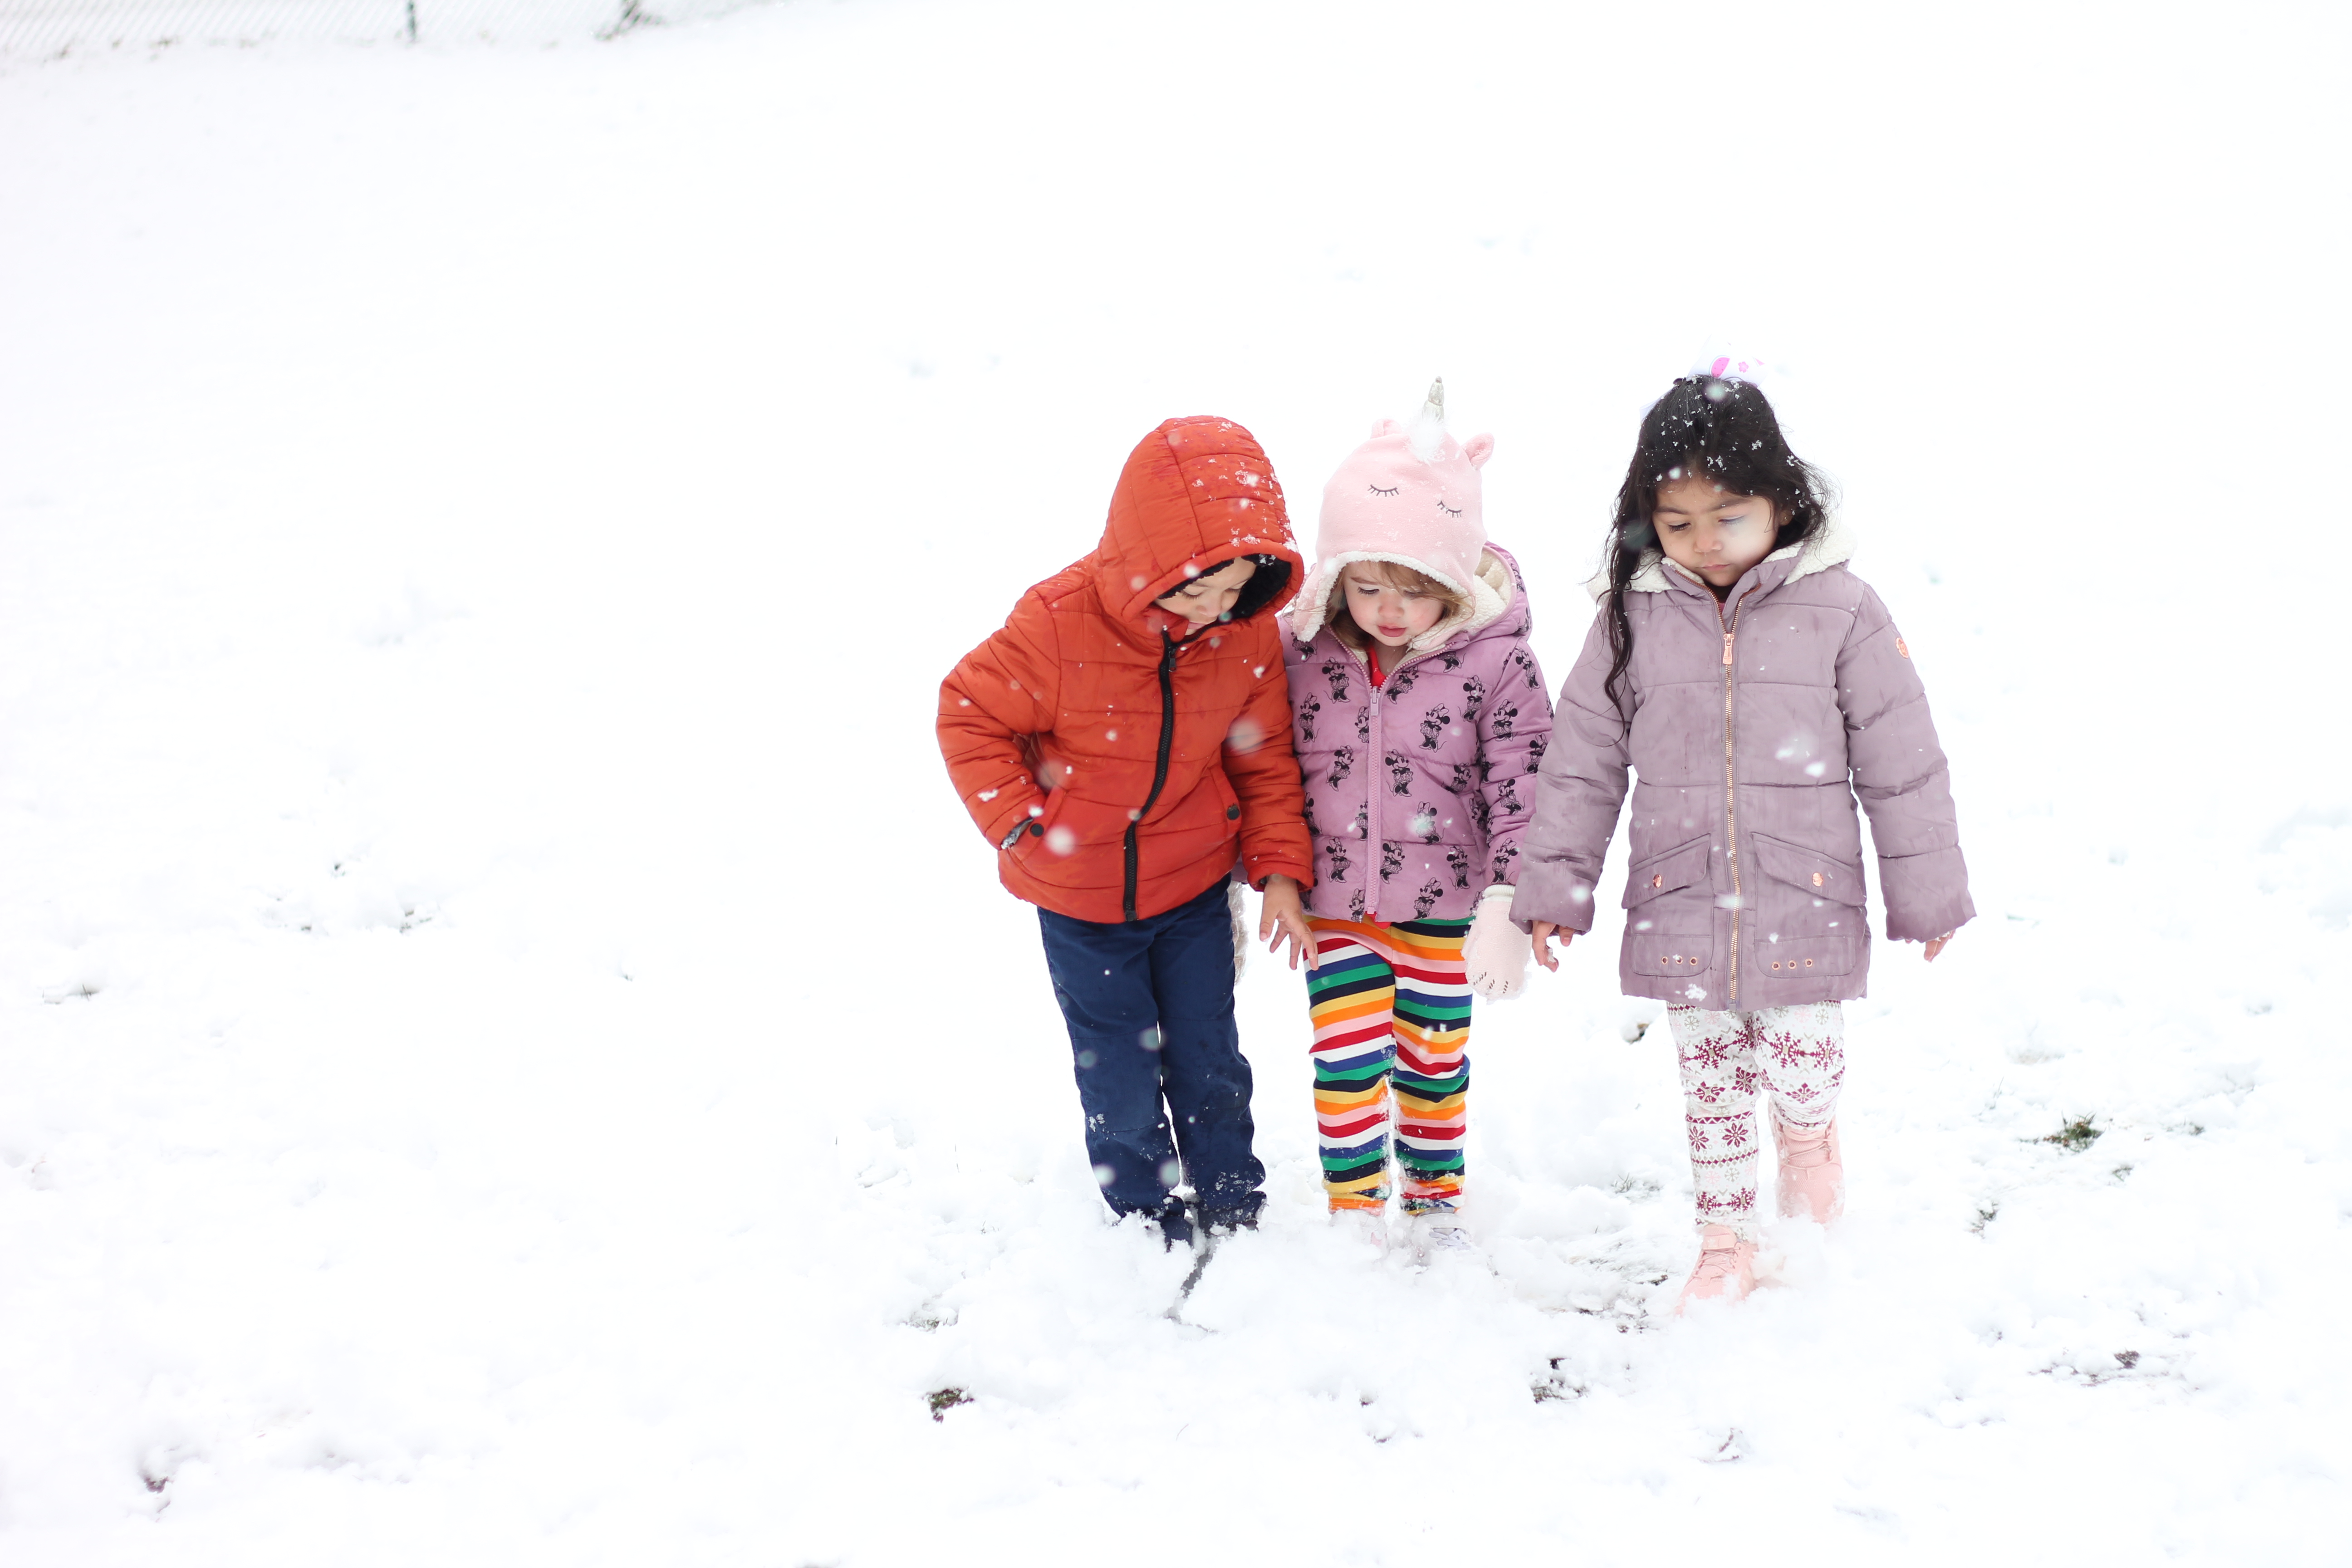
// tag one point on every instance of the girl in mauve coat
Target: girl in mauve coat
(1755, 686)
(1419, 715)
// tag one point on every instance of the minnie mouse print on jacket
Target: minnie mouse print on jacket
(1419, 786)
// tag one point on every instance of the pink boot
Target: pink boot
(1812, 1174)
(1727, 1267)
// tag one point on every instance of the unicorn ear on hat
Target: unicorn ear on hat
(1478, 449)
(1384, 428)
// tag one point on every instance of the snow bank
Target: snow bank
(510, 1053)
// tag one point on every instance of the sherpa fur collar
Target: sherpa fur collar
(1829, 547)
(1491, 592)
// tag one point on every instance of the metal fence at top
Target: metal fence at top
(51, 29)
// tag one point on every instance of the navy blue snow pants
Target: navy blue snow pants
(1149, 1004)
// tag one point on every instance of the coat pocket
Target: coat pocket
(1205, 820)
(1049, 836)
(1808, 921)
(1229, 800)
(1677, 958)
(1670, 872)
(1827, 878)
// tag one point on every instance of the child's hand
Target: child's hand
(1543, 932)
(1938, 944)
(1282, 908)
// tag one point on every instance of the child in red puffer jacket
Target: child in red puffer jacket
(1124, 742)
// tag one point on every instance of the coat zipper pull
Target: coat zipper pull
(1727, 649)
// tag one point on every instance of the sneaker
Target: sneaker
(1812, 1172)
(1725, 1271)
(1438, 1233)
(1367, 1228)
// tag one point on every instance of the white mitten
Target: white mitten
(1240, 911)
(1495, 951)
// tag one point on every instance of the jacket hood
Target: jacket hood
(1195, 493)
(1497, 600)
(1831, 545)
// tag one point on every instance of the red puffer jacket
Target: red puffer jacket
(1119, 759)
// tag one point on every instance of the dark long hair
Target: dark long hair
(1725, 431)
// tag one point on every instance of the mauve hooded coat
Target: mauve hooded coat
(1756, 724)
(1418, 791)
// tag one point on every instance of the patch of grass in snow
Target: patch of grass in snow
(2093, 1371)
(1558, 1385)
(943, 1400)
(2075, 1136)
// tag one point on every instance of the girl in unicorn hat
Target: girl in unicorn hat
(1755, 686)
(1419, 716)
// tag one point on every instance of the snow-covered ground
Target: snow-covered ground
(510, 1053)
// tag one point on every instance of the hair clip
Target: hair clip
(1727, 367)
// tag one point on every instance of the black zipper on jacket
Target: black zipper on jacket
(1160, 767)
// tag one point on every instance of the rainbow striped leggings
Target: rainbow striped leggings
(1390, 1006)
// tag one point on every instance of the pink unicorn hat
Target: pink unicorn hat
(1410, 495)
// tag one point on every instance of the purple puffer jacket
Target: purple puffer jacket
(1418, 792)
(1749, 719)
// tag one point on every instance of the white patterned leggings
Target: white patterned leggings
(1797, 1053)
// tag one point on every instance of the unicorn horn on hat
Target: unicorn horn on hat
(1427, 436)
